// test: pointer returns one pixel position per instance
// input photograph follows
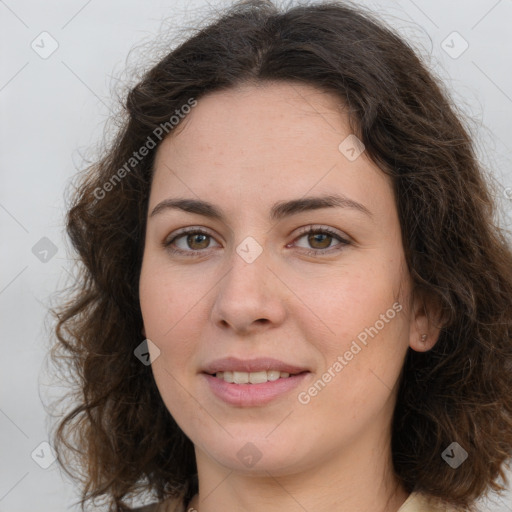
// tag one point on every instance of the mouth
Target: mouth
(252, 382)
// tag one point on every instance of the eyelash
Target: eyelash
(307, 231)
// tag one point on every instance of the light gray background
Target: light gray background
(53, 111)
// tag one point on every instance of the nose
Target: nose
(250, 297)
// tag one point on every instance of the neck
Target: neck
(358, 477)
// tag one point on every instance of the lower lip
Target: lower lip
(249, 395)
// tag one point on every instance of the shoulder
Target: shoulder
(169, 505)
(147, 508)
(417, 502)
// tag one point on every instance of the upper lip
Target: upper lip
(230, 364)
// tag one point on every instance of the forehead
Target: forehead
(272, 140)
(278, 116)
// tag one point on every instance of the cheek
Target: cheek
(166, 300)
(175, 309)
(361, 319)
(169, 322)
(346, 301)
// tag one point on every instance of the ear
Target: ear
(426, 322)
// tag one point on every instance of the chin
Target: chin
(258, 456)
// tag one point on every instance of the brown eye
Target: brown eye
(319, 240)
(198, 241)
(316, 241)
(190, 242)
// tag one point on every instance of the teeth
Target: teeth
(257, 377)
(252, 377)
(274, 375)
(240, 377)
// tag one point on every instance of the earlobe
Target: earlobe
(423, 344)
(425, 325)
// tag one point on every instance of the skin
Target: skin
(243, 150)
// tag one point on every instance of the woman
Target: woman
(293, 294)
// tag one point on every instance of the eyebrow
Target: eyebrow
(278, 211)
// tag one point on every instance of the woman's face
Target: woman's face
(248, 283)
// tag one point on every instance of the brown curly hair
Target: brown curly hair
(119, 439)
